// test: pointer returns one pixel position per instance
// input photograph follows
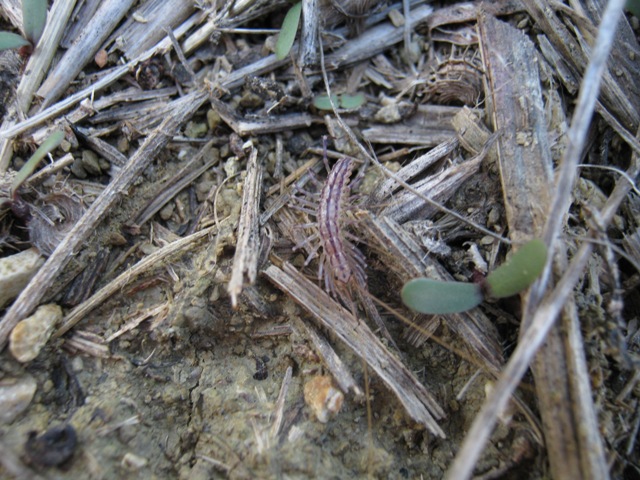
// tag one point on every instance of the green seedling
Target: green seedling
(425, 295)
(634, 7)
(288, 31)
(34, 15)
(345, 101)
(50, 143)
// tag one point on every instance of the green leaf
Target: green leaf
(520, 271)
(288, 31)
(634, 7)
(27, 169)
(350, 102)
(34, 14)
(425, 295)
(11, 40)
(321, 102)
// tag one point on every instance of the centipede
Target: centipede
(342, 259)
(342, 265)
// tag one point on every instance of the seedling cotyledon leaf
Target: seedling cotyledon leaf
(288, 31)
(426, 295)
(345, 101)
(34, 14)
(518, 272)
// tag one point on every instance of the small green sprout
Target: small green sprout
(288, 31)
(345, 101)
(34, 16)
(51, 142)
(9, 196)
(425, 295)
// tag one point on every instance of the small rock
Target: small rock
(54, 447)
(133, 462)
(15, 396)
(167, 211)
(213, 119)
(16, 271)
(388, 114)
(323, 398)
(123, 144)
(251, 100)
(78, 170)
(31, 334)
(101, 58)
(91, 162)
(104, 164)
(195, 129)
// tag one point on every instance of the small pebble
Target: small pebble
(90, 162)
(53, 447)
(133, 462)
(323, 398)
(31, 334)
(195, 129)
(15, 396)
(167, 211)
(123, 144)
(16, 271)
(78, 170)
(104, 164)
(388, 114)
(213, 119)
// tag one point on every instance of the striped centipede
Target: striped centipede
(341, 257)
(340, 260)
(342, 264)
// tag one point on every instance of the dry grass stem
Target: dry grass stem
(36, 289)
(245, 260)
(148, 263)
(336, 366)
(418, 402)
(544, 314)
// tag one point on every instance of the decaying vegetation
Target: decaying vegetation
(177, 227)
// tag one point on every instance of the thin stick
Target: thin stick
(389, 174)
(153, 144)
(147, 263)
(547, 312)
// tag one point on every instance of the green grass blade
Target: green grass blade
(27, 169)
(288, 31)
(34, 14)
(11, 40)
(520, 271)
(425, 295)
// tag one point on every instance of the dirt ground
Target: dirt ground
(205, 330)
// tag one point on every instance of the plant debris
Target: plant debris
(206, 332)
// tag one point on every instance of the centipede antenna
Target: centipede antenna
(324, 153)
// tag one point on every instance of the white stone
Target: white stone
(15, 396)
(31, 334)
(16, 271)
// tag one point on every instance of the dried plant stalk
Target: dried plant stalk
(418, 402)
(544, 313)
(336, 366)
(245, 260)
(130, 275)
(95, 32)
(153, 144)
